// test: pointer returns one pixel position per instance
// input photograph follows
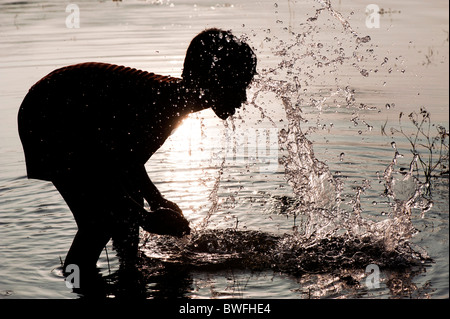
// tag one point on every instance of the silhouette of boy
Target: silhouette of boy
(90, 128)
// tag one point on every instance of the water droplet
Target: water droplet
(341, 156)
(393, 145)
(364, 73)
(363, 39)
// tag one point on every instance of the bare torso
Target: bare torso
(96, 114)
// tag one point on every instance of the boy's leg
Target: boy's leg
(86, 201)
(125, 234)
(104, 207)
(86, 248)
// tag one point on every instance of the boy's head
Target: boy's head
(222, 67)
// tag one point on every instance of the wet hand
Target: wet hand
(164, 203)
(166, 222)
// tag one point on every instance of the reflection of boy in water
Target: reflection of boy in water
(90, 128)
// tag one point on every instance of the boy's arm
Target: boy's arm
(162, 221)
(149, 191)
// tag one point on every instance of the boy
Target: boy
(90, 128)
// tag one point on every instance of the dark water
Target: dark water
(293, 198)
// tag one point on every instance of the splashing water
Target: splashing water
(317, 192)
(328, 238)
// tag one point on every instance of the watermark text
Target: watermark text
(73, 19)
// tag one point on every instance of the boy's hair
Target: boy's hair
(216, 58)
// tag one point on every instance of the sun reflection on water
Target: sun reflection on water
(186, 166)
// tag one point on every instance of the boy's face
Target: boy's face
(226, 100)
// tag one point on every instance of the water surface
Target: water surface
(270, 221)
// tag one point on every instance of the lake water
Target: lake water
(299, 193)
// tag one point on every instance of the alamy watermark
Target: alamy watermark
(73, 19)
(373, 279)
(372, 16)
(252, 146)
(73, 279)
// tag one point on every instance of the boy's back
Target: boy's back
(94, 114)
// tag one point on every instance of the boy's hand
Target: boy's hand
(166, 222)
(164, 203)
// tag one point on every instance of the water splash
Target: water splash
(213, 197)
(258, 251)
(316, 192)
(326, 5)
(326, 237)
